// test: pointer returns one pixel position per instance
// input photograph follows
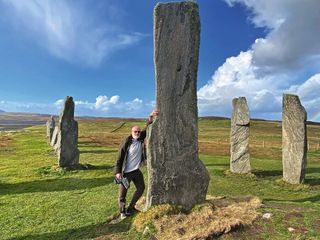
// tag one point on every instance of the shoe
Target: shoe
(131, 211)
(122, 216)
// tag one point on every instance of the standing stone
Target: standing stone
(54, 138)
(50, 128)
(294, 139)
(239, 137)
(175, 173)
(67, 138)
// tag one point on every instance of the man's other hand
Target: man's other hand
(118, 176)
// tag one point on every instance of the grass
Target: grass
(40, 201)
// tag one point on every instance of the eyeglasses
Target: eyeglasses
(136, 131)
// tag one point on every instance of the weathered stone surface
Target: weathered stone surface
(54, 138)
(239, 137)
(67, 142)
(175, 173)
(57, 143)
(294, 139)
(50, 128)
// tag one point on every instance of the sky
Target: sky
(100, 52)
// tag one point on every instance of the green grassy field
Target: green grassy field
(39, 202)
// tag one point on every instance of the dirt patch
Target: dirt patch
(254, 231)
(105, 140)
(218, 147)
(288, 207)
(270, 153)
(295, 220)
(317, 225)
(218, 215)
(110, 236)
(221, 202)
(5, 141)
(222, 147)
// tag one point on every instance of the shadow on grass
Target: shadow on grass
(98, 151)
(312, 181)
(88, 146)
(312, 199)
(312, 170)
(87, 232)
(86, 142)
(275, 173)
(309, 199)
(52, 185)
(218, 165)
(267, 173)
(99, 167)
(92, 142)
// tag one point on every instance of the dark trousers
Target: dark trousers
(137, 178)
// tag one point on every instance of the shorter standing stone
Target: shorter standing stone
(54, 138)
(294, 139)
(67, 142)
(239, 137)
(50, 128)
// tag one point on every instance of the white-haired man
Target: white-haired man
(130, 157)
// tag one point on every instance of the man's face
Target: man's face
(135, 132)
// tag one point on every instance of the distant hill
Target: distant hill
(214, 118)
(16, 116)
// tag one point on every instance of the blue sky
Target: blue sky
(101, 53)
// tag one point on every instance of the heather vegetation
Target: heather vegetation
(40, 201)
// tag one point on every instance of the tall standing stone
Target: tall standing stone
(294, 139)
(67, 139)
(50, 128)
(175, 173)
(239, 137)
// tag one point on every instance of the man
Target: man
(130, 157)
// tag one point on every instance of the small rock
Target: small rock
(180, 231)
(290, 229)
(267, 216)
(146, 231)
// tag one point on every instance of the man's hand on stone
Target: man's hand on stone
(154, 113)
(151, 115)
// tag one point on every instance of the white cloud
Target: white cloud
(134, 105)
(278, 63)
(266, 102)
(310, 89)
(69, 30)
(100, 100)
(113, 106)
(235, 78)
(309, 94)
(58, 103)
(32, 107)
(294, 36)
(104, 103)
